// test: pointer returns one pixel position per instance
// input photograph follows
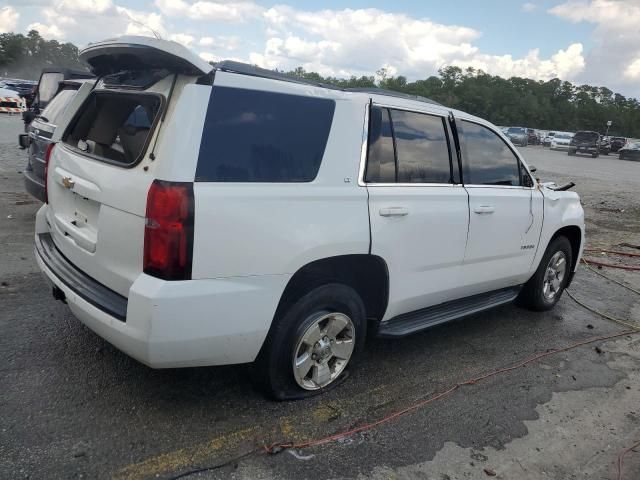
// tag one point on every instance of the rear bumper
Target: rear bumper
(179, 323)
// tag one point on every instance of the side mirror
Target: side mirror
(532, 168)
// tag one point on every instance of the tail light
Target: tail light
(168, 231)
(47, 156)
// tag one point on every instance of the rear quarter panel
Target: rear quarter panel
(276, 228)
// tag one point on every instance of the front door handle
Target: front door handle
(483, 209)
(394, 212)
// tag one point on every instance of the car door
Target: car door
(418, 209)
(505, 211)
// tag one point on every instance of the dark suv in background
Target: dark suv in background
(585, 141)
(617, 143)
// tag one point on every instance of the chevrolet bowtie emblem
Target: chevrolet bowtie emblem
(67, 182)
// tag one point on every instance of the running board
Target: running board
(411, 322)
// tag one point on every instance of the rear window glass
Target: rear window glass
(114, 127)
(57, 106)
(253, 136)
(586, 136)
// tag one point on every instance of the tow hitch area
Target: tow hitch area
(58, 294)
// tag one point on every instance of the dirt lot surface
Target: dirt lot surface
(72, 406)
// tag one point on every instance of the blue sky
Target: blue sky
(584, 41)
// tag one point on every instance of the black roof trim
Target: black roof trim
(251, 70)
(392, 93)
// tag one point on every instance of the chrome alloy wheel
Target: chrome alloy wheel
(323, 351)
(554, 275)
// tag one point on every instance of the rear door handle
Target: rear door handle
(394, 212)
(483, 209)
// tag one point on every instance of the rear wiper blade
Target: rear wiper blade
(44, 119)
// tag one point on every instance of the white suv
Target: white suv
(208, 216)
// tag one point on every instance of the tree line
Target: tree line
(546, 105)
(24, 56)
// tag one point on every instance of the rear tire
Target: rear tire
(293, 363)
(545, 288)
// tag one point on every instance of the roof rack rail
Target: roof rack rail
(246, 69)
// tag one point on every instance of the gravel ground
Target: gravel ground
(72, 406)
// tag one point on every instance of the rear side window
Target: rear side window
(407, 147)
(254, 136)
(421, 143)
(114, 127)
(486, 158)
(381, 162)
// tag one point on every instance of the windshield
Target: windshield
(618, 139)
(565, 136)
(634, 145)
(57, 105)
(516, 130)
(586, 136)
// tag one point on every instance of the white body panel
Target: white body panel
(251, 238)
(423, 246)
(504, 229)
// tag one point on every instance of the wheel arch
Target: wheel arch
(367, 274)
(573, 233)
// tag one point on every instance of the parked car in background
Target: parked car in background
(560, 141)
(532, 137)
(617, 143)
(605, 145)
(585, 141)
(546, 141)
(631, 151)
(252, 224)
(518, 136)
(48, 86)
(39, 136)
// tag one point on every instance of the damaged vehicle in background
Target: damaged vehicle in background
(617, 143)
(37, 140)
(208, 215)
(585, 141)
(518, 136)
(631, 151)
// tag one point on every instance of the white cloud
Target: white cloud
(142, 23)
(8, 19)
(616, 37)
(183, 38)
(47, 31)
(228, 11)
(632, 71)
(529, 7)
(85, 6)
(345, 42)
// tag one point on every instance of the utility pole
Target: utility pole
(609, 122)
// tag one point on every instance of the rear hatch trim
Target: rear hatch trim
(86, 287)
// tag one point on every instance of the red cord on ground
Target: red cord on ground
(613, 252)
(277, 447)
(610, 265)
(620, 461)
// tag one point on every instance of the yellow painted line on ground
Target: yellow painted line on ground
(184, 457)
(200, 454)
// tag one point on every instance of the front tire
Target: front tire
(311, 344)
(545, 288)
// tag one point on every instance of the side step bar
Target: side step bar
(411, 322)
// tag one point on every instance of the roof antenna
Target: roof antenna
(144, 25)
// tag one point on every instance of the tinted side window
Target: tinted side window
(381, 164)
(423, 152)
(253, 136)
(486, 159)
